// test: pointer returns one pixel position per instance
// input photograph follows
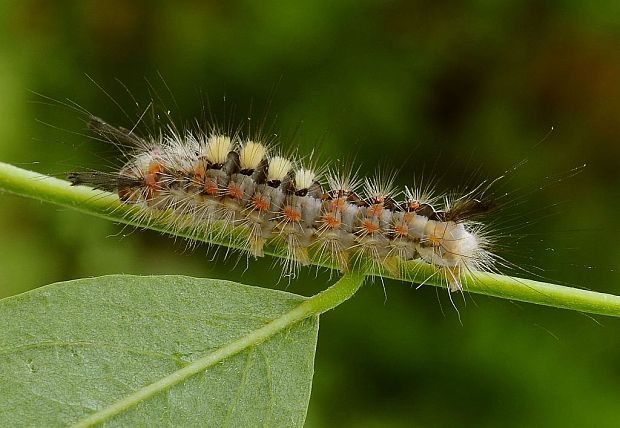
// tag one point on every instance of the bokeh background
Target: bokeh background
(450, 91)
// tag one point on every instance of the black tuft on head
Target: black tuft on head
(469, 209)
(113, 134)
(102, 180)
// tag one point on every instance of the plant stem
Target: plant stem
(106, 205)
(317, 304)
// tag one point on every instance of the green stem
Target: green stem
(318, 304)
(106, 205)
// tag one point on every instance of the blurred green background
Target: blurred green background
(453, 91)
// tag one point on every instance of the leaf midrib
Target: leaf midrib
(317, 304)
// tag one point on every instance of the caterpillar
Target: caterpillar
(199, 177)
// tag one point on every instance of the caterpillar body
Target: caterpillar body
(201, 177)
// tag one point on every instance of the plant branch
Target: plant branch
(106, 205)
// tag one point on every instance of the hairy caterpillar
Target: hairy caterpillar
(199, 177)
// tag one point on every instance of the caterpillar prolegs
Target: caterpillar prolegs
(202, 177)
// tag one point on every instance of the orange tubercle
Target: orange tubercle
(338, 204)
(155, 168)
(290, 214)
(150, 181)
(151, 176)
(210, 188)
(234, 191)
(369, 227)
(260, 203)
(331, 221)
(401, 230)
(375, 210)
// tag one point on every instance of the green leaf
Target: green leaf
(71, 349)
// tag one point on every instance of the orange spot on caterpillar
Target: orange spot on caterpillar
(155, 167)
(260, 204)
(375, 210)
(210, 188)
(234, 191)
(290, 214)
(400, 230)
(338, 204)
(369, 227)
(150, 181)
(152, 175)
(331, 221)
